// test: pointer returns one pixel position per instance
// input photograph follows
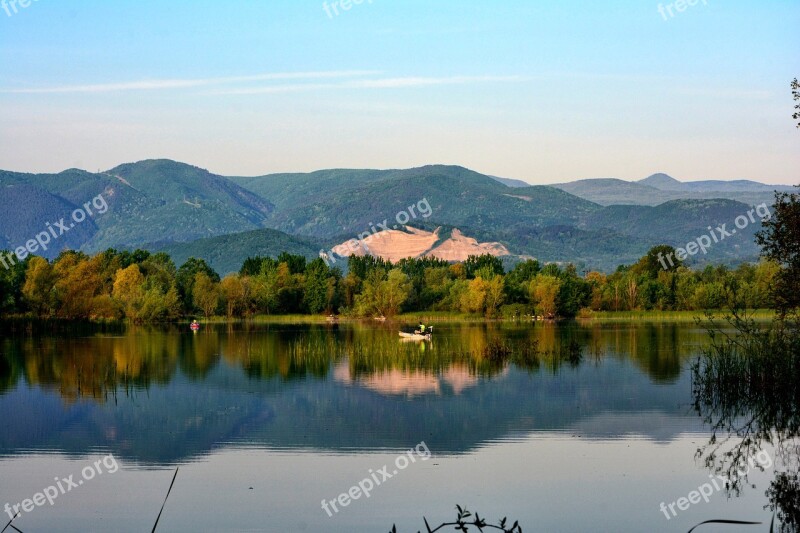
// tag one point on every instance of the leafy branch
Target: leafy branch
(465, 519)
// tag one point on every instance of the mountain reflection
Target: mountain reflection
(288, 386)
(410, 383)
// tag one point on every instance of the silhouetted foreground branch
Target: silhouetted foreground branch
(465, 520)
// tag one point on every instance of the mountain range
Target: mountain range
(660, 188)
(164, 205)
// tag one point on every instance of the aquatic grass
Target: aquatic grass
(756, 367)
(746, 387)
(10, 525)
(496, 350)
(165, 500)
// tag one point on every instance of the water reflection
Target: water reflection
(88, 366)
(751, 402)
(165, 395)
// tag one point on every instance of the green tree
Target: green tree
(383, 293)
(518, 280)
(78, 285)
(129, 291)
(315, 289)
(39, 287)
(234, 294)
(263, 293)
(296, 263)
(486, 261)
(185, 278)
(473, 299)
(158, 306)
(396, 290)
(11, 282)
(574, 293)
(659, 258)
(495, 295)
(205, 293)
(543, 290)
(780, 242)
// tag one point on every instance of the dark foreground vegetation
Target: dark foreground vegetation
(747, 384)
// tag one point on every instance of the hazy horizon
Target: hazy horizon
(267, 174)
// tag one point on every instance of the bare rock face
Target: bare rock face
(459, 247)
(394, 245)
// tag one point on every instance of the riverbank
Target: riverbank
(667, 316)
(433, 317)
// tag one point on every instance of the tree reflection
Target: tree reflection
(100, 364)
(9, 373)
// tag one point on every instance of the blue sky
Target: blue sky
(539, 91)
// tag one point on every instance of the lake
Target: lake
(592, 428)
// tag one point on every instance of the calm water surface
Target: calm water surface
(266, 421)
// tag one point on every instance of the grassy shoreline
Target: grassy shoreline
(432, 317)
(447, 316)
(670, 316)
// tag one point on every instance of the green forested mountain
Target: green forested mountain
(171, 201)
(25, 211)
(148, 201)
(161, 203)
(680, 221)
(226, 253)
(329, 203)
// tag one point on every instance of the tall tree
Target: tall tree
(205, 293)
(186, 276)
(315, 289)
(780, 242)
(543, 293)
(234, 294)
(129, 291)
(39, 288)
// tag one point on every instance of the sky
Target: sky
(542, 91)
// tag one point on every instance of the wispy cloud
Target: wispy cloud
(168, 84)
(378, 83)
(727, 93)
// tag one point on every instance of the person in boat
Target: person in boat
(195, 324)
(422, 329)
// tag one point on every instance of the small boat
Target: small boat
(195, 326)
(415, 336)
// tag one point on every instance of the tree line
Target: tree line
(145, 287)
